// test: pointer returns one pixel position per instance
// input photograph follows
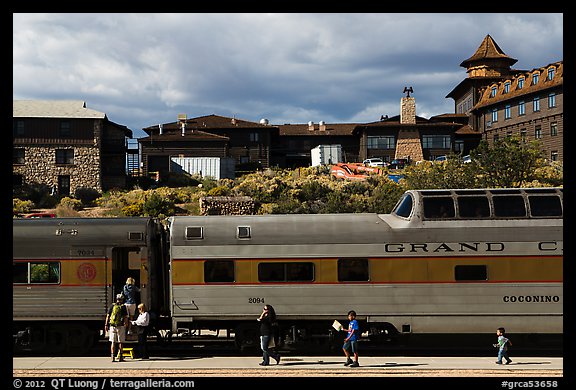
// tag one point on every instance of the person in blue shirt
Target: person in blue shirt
(351, 341)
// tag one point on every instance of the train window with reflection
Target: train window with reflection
(470, 272)
(404, 206)
(439, 207)
(38, 273)
(218, 271)
(353, 270)
(286, 272)
(194, 232)
(509, 206)
(545, 206)
(473, 207)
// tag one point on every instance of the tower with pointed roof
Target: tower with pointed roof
(488, 60)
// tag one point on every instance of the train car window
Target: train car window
(48, 273)
(545, 206)
(299, 272)
(194, 232)
(509, 206)
(404, 206)
(218, 271)
(20, 273)
(135, 236)
(353, 270)
(286, 272)
(243, 232)
(470, 272)
(473, 207)
(439, 207)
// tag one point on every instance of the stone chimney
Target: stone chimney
(322, 126)
(310, 126)
(408, 144)
(408, 110)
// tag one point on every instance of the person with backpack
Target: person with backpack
(115, 325)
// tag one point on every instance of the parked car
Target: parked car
(41, 215)
(374, 162)
(398, 163)
(467, 159)
(441, 159)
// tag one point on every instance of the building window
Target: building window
(436, 142)
(65, 129)
(507, 112)
(495, 115)
(521, 108)
(17, 180)
(492, 91)
(554, 155)
(521, 83)
(535, 78)
(507, 87)
(254, 137)
(65, 156)
(553, 129)
(381, 142)
(536, 104)
(538, 132)
(523, 135)
(19, 128)
(459, 146)
(551, 73)
(18, 155)
(495, 138)
(552, 100)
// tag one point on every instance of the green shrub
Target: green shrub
(72, 204)
(134, 209)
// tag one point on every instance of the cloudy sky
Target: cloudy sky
(146, 68)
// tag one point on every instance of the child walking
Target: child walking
(502, 345)
(351, 340)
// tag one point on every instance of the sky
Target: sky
(143, 69)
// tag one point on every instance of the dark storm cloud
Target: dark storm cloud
(144, 69)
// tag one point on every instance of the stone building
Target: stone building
(66, 146)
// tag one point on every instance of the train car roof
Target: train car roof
(81, 231)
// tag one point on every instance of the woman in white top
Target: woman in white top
(142, 322)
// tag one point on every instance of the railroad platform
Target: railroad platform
(530, 364)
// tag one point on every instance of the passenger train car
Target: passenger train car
(457, 262)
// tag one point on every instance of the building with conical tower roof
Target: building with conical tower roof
(501, 101)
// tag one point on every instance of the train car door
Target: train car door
(127, 262)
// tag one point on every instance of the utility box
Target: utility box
(215, 167)
(326, 154)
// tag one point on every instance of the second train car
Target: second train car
(457, 262)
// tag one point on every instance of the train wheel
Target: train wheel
(79, 339)
(247, 338)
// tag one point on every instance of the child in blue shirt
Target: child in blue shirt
(351, 341)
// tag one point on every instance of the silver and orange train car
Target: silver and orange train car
(443, 262)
